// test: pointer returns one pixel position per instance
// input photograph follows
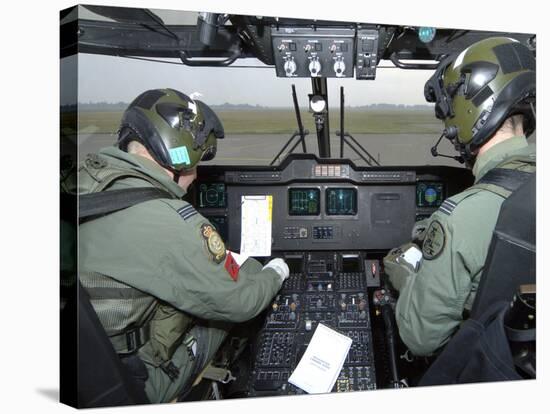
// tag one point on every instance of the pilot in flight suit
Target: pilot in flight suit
(485, 95)
(158, 274)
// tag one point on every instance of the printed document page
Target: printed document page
(322, 362)
(413, 256)
(256, 219)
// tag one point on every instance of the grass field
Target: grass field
(283, 121)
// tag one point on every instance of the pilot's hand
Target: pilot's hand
(397, 268)
(280, 267)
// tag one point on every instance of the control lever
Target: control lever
(385, 304)
(218, 374)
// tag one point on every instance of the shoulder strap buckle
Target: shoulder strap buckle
(133, 340)
(129, 341)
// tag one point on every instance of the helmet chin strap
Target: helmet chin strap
(176, 176)
(467, 154)
(122, 141)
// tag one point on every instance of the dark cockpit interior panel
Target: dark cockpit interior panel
(325, 204)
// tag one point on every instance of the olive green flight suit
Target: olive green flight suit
(158, 255)
(432, 298)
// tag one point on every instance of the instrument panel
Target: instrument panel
(327, 204)
(332, 222)
(323, 287)
(332, 215)
(325, 52)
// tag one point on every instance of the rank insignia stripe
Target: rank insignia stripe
(447, 207)
(186, 212)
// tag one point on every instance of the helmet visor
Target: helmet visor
(178, 116)
(435, 91)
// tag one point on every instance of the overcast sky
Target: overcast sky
(113, 79)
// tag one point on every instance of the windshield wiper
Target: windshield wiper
(159, 21)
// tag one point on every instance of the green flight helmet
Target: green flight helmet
(477, 90)
(177, 131)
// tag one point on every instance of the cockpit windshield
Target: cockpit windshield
(257, 112)
(251, 90)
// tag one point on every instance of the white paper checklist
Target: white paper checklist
(322, 361)
(256, 223)
(412, 256)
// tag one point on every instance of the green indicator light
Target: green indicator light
(426, 34)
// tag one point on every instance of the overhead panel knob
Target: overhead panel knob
(315, 68)
(290, 67)
(339, 68)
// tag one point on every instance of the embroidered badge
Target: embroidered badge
(214, 243)
(434, 242)
(232, 267)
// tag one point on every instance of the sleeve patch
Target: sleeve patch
(434, 243)
(186, 212)
(232, 267)
(214, 243)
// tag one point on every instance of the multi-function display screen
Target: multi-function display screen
(429, 194)
(212, 195)
(341, 201)
(304, 201)
(295, 264)
(351, 264)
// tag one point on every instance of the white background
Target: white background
(29, 208)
